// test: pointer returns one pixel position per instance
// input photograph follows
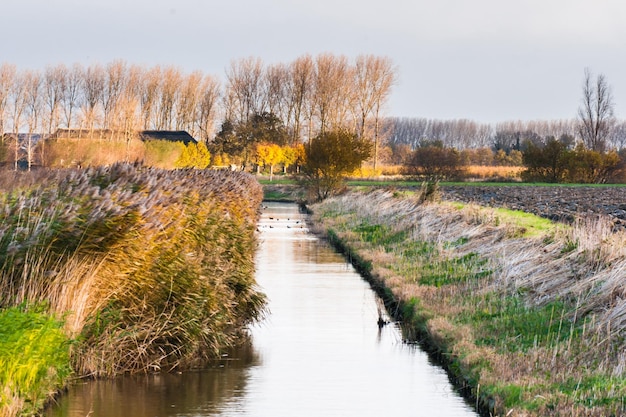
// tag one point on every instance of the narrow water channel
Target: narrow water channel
(319, 352)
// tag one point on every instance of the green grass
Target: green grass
(526, 224)
(456, 270)
(423, 260)
(595, 390)
(278, 181)
(34, 358)
(378, 234)
(529, 224)
(508, 324)
(423, 263)
(276, 195)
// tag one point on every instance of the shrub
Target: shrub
(436, 163)
(330, 157)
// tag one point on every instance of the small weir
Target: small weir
(319, 352)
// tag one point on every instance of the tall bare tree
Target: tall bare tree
(149, 95)
(299, 92)
(53, 85)
(33, 93)
(17, 96)
(374, 77)
(188, 101)
(93, 87)
(331, 81)
(7, 77)
(276, 80)
(245, 89)
(72, 88)
(170, 87)
(207, 107)
(115, 79)
(596, 112)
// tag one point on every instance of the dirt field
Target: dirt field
(561, 203)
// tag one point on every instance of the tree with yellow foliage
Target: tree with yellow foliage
(269, 154)
(289, 158)
(194, 155)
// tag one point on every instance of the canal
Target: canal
(319, 351)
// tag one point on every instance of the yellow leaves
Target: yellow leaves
(194, 155)
(269, 153)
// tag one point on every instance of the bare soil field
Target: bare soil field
(562, 203)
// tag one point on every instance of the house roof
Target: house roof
(82, 133)
(169, 135)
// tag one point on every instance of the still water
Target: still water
(319, 352)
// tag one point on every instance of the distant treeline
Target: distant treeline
(468, 134)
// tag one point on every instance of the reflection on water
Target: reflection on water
(320, 351)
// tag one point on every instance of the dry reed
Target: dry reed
(151, 269)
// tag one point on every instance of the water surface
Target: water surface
(319, 352)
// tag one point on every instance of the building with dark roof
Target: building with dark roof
(144, 135)
(168, 135)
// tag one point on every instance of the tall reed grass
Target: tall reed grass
(528, 317)
(149, 269)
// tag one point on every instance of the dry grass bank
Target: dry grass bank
(531, 316)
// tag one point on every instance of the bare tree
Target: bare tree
(33, 97)
(596, 113)
(207, 107)
(618, 136)
(299, 93)
(276, 81)
(188, 101)
(149, 95)
(93, 87)
(115, 79)
(245, 89)
(170, 86)
(72, 88)
(374, 77)
(7, 78)
(53, 86)
(17, 96)
(125, 120)
(331, 81)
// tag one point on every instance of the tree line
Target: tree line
(467, 134)
(302, 98)
(115, 96)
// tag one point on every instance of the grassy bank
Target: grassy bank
(146, 269)
(527, 315)
(34, 359)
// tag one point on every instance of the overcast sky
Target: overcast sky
(485, 60)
